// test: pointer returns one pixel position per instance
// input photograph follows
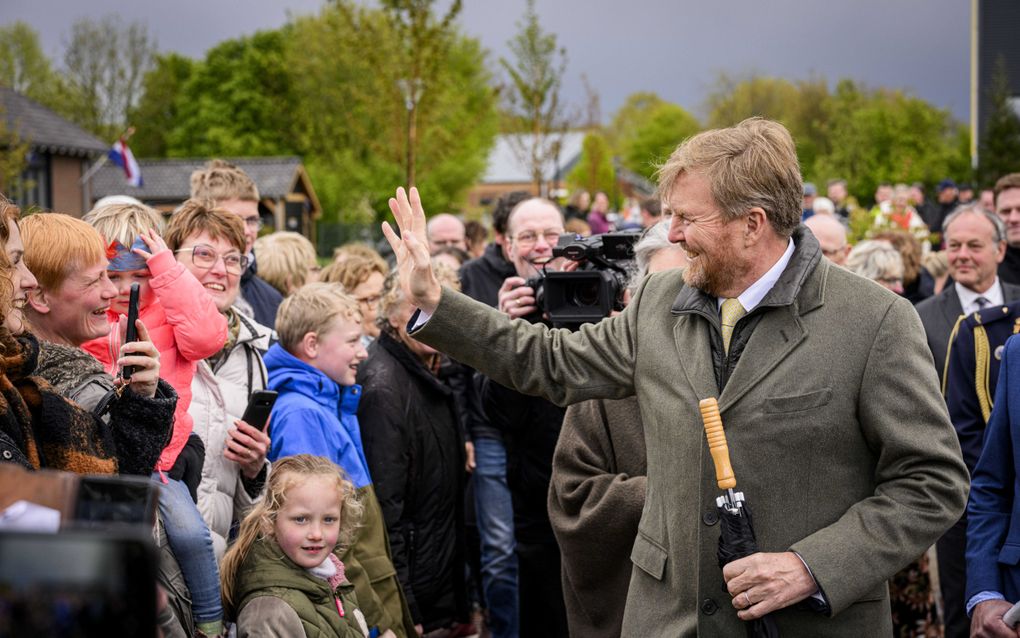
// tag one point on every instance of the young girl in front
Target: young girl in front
(283, 576)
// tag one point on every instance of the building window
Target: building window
(34, 190)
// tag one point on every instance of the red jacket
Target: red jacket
(185, 327)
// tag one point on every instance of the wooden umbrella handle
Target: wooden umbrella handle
(717, 443)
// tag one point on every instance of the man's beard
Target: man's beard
(713, 276)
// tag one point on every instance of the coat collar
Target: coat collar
(410, 362)
(800, 289)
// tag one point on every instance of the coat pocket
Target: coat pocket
(649, 556)
(1009, 554)
(798, 403)
(378, 568)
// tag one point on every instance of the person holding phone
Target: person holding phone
(209, 243)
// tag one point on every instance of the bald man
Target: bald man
(445, 230)
(831, 236)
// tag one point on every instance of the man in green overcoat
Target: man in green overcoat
(838, 435)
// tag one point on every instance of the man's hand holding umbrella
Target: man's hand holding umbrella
(758, 582)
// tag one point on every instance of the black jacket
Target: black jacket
(415, 454)
(530, 426)
(480, 279)
(264, 299)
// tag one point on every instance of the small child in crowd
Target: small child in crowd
(185, 327)
(283, 576)
(313, 368)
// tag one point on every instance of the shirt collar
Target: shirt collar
(757, 291)
(968, 297)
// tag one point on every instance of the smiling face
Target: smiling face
(972, 251)
(75, 312)
(308, 525)
(221, 284)
(22, 280)
(533, 230)
(122, 280)
(337, 351)
(712, 244)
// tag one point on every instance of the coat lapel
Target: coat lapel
(773, 339)
(951, 308)
(693, 343)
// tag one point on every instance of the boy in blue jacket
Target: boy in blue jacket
(313, 368)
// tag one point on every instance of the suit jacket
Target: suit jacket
(972, 371)
(993, 515)
(939, 315)
(837, 432)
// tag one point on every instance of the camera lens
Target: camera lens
(585, 294)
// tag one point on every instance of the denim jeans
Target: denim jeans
(191, 543)
(495, 515)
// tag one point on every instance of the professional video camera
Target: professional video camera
(590, 293)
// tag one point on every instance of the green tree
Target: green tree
(238, 101)
(594, 170)
(351, 122)
(654, 139)
(104, 64)
(25, 68)
(157, 111)
(886, 135)
(634, 112)
(531, 99)
(803, 107)
(999, 152)
(13, 156)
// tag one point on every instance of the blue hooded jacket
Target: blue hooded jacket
(314, 415)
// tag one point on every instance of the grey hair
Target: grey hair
(654, 240)
(873, 259)
(974, 208)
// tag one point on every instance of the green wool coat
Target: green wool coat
(837, 432)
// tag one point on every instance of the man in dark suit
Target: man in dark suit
(972, 371)
(975, 244)
(1007, 206)
(993, 537)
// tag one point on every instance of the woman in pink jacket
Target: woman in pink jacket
(186, 327)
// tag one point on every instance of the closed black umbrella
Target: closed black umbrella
(736, 527)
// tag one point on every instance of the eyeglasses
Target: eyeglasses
(205, 257)
(253, 222)
(369, 301)
(528, 238)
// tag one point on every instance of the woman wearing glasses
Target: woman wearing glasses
(209, 243)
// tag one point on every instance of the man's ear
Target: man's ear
(38, 300)
(757, 222)
(309, 345)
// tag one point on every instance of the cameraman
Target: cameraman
(530, 428)
(533, 229)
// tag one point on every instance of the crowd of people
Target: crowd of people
(440, 461)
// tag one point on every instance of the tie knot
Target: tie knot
(982, 302)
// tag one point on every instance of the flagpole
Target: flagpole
(86, 178)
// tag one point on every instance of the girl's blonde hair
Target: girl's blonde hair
(124, 222)
(260, 522)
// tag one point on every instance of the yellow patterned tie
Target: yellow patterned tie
(730, 314)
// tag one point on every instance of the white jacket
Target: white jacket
(219, 397)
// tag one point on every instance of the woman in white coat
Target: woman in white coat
(210, 243)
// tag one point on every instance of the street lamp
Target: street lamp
(412, 89)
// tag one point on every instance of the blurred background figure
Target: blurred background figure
(287, 261)
(577, 206)
(651, 212)
(831, 236)
(879, 262)
(445, 230)
(598, 216)
(918, 284)
(362, 277)
(477, 236)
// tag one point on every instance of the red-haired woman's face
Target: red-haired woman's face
(22, 280)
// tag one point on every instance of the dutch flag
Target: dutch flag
(121, 155)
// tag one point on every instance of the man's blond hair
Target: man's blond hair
(220, 180)
(284, 260)
(313, 308)
(124, 222)
(57, 245)
(752, 164)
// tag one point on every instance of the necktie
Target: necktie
(730, 313)
(982, 303)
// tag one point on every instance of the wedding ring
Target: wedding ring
(748, 599)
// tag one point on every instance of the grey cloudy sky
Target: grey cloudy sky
(673, 47)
